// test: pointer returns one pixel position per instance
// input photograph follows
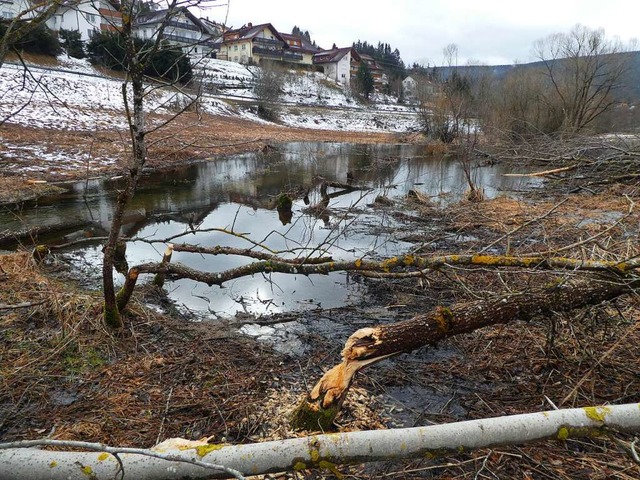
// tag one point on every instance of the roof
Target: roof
(372, 62)
(73, 4)
(305, 45)
(214, 28)
(335, 55)
(249, 31)
(159, 16)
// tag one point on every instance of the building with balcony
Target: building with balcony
(301, 46)
(195, 36)
(379, 77)
(255, 44)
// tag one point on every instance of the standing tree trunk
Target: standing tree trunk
(134, 68)
(370, 345)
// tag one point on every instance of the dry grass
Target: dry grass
(63, 374)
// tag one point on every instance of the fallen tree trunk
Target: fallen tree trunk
(317, 451)
(276, 265)
(370, 345)
(323, 266)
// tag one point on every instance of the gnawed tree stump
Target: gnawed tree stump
(369, 345)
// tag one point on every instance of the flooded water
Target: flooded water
(239, 194)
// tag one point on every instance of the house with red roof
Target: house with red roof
(253, 44)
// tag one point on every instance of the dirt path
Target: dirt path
(30, 156)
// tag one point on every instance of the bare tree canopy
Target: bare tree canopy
(584, 69)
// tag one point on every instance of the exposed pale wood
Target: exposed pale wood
(543, 173)
(323, 452)
(369, 345)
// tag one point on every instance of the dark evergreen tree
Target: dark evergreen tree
(39, 40)
(364, 80)
(168, 62)
(72, 43)
(299, 33)
(389, 60)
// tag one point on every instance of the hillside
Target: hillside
(73, 95)
(631, 92)
(66, 121)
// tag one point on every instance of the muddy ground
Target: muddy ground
(64, 376)
(190, 137)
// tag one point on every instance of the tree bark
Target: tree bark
(135, 118)
(324, 452)
(309, 266)
(370, 345)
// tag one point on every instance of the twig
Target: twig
(164, 416)
(4, 306)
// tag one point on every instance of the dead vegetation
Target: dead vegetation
(63, 375)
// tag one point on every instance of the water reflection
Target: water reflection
(240, 194)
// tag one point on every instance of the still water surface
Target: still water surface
(238, 193)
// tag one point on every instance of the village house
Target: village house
(87, 17)
(416, 86)
(193, 35)
(253, 44)
(301, 45)
(339, 64)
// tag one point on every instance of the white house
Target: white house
(88, 17)
(12, 8)
(181, 28)
(416, 86)
(340, 64)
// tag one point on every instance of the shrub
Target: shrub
(72, 43)
(40, 40)
(168, 62)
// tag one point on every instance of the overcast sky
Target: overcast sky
(489, 31)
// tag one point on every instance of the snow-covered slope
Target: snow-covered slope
(75, 96)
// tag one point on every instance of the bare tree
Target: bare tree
(268, 89)
(446, 110)
(519, 106)
(134, 92)
(584, 70)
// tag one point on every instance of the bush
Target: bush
(72, 43)
(268, 90)
(168, 62)
(40, 40)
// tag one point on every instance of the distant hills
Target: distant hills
(632, 82)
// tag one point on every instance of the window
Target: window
(6, 14)
(244, 46)
(235, 59)
(235, 47)
(91, 17)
